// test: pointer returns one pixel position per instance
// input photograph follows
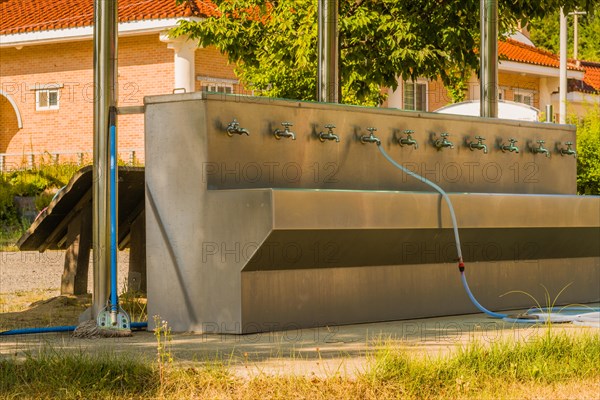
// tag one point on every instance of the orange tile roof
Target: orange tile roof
(513, 50)
(592, 75)
(18, 16)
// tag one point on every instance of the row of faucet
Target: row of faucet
(407, 140)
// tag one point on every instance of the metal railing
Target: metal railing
(31, 160)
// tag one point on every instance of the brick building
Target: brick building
(46, 76)
(526, 74)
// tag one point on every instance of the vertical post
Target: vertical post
(575, 34)
(549, 113)
(328, 82)
(105, 80)
(489, 58)
(562, 106)
(576, 15)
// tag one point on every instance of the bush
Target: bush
(8, 209)
(42, 182)
(27, 183)
(588, 152)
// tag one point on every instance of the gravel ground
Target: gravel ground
(29, 270)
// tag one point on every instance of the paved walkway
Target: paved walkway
(319, 351)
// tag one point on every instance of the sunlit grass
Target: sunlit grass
(545, 366)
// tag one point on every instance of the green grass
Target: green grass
(52, 374)
(544, 366)
(547, 359)
(9, 234)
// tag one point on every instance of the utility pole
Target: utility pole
(576, 15)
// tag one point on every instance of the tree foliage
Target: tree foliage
(588, 152)
(274, 43)
(545, 33)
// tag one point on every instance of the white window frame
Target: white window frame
(214, 87)
(501, 93)
(213, 84)
(415, 83)
(523, 94)
(38, 92)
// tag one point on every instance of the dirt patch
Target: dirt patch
(56, 311)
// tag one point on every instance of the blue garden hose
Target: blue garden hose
(492, 314)
(534, 312)
(53, 329)
(112, 145)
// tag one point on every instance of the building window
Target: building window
(525, 97)
(415, 96)
(216, 85)
(218, 88)
(46, 99)
(501, 94)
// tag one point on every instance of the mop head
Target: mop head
(90, 330)
(103, 327)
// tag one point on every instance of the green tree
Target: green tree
(588, 152)
(274, 43)
(545, 33)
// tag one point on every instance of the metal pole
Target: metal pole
(105, 80)
(562, 107)
(328, 62)
(489, 58)
(482, 58)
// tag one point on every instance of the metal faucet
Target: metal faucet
(568, 151)
(285, 133)
(234, 128)
(329, 135)
(541, 149)
(511, 147)
(409, 141)
(443, 142)
(479, 145)
(370, 138)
